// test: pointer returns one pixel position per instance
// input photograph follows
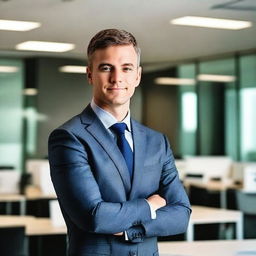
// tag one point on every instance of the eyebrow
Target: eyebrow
(128, 64)
(110, 65)
(104, 64)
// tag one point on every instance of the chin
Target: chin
(119, 102)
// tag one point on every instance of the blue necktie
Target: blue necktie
(122, 143)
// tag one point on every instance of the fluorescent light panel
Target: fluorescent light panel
(211, 22)
(30, 91)
(15, 25)
(216, 78)
(189, 112)
(8, 69)
(190, 81)
(44, 46)
(73, 69)
(174, 81)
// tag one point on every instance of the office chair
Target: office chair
(13, 241)
(247, 204)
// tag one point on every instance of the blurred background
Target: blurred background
(198, 87)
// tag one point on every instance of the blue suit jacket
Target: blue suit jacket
(96, 194)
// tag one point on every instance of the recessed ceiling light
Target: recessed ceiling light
(30, 91)
(15, 25)
(8, 69)
(45, 46)
(216, 78)
(174, 81)
(211, 22)
(73, 69)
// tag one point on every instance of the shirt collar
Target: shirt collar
(108, 119)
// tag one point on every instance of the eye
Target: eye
(105, 68)
(128, 69)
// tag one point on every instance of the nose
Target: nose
(116, 77)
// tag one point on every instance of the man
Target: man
(115, 179)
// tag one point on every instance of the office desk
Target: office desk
(36, 229)
(211, 185)
(208, 248)
(208, 215)
(9, 198)
(15, 221)
(33, 226)
(34, 193)
(43, 226)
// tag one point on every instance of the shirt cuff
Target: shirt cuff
(126, 236)
(152, 210)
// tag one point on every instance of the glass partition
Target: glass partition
(11, 113)
(218, 107)
(187, 109)
(248, 107)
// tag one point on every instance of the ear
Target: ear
(89, 75)
(138, 78)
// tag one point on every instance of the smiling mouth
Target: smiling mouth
(116, 89)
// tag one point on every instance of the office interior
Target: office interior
(198, 87)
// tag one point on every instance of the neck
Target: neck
(118, 111)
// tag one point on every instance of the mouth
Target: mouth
(116, 88)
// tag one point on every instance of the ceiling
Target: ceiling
(76, 21)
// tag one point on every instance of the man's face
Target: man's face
(114, 74)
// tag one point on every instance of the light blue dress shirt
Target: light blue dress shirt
(108, 120)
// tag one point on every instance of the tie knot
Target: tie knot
(119, 128)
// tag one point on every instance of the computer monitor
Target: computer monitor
(40, 171)
(9, 181)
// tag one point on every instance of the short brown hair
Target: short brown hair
(111, 37)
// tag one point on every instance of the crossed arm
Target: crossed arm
(82, 202)
(155, 201)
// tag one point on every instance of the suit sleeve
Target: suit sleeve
(174, 217)
(78, 191)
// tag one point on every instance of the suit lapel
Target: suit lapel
(99, 132)
(139, 142)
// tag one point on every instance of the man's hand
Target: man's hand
(156, 201)
(119, 234)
